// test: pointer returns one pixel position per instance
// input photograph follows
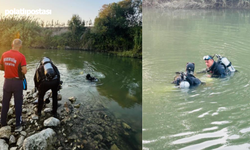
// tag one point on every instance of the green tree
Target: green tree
(114, 25)
(76, 27)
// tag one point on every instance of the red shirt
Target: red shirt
(10, 61)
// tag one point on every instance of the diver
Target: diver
(186, 80)
(219, 69)
(47, 77)
(92, 79)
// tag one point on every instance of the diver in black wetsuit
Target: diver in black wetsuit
(47, 76)
(188, 77)
(92, 79)
(217, 70)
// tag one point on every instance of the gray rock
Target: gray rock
(72, 99)
(28, 92)
(85, 142)
(24, 110)
(0, 105)
(11, 121)
(51, 122)
(12, 139)
(77, 106)
(98, 137)
(3, 145)
(40, 141)
(34, 117)
(126, 126)
(12, 103)
(35, 94)
(13, 148)
(23, 133)
(114, 147)
(5, 132)
(11, 111)
(72, 137)
(20, 141)
(59, 97)
(47, 110)
(109, 138)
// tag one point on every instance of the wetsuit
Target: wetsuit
(43, 85)
(191, 79)
(218, 70)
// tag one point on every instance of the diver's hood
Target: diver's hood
(190, 68)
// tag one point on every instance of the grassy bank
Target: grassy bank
(132, 53)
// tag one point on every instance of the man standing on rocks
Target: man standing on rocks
(47, 77)
(14, 65)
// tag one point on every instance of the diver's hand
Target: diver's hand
(209, 75)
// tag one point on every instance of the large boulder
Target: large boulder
(51, 122)
(5, 132)
(40, 141)
(3, 145)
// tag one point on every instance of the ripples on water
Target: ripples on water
(212, 116)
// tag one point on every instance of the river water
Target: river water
(212, 116)
(119, 87)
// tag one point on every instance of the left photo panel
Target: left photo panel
(71, 75)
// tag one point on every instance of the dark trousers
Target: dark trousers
(42, 89)
(12, 86)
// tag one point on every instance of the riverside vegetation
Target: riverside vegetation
(117, 29)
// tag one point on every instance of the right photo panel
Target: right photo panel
(196, 75)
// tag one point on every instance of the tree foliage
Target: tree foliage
(117, 25)
(76, 27)
(118, 28)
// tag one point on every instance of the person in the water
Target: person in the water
(217, 70)
(92, 79)
(185, 80)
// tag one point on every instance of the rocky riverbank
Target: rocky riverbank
(77, 126)
(197, 4)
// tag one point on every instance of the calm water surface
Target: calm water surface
(119, 87)
(212, 116)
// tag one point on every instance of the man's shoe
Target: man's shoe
(18, 128)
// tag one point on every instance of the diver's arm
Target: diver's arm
(203, 71)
